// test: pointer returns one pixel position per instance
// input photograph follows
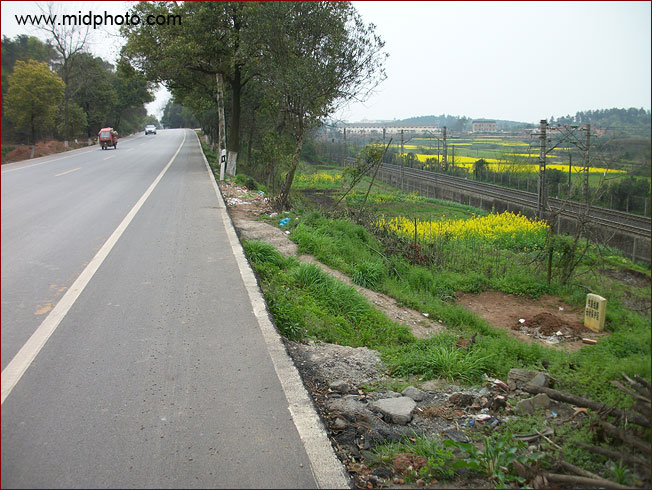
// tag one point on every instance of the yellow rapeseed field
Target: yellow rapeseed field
(506, 225)
(320, 178)
(496, 165)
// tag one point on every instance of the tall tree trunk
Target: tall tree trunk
(66, 97)
(219, 79)
(284, 195)
(251, 138)
(234, 140)
(33, 138)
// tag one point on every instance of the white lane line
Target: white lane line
(43, 163)
(68, 171)
(108, 157)
(326, 468)
(28, 352)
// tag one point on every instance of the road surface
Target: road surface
(135, 350)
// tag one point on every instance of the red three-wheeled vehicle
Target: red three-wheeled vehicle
(108, 137)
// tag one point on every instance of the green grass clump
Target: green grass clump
(369, 274)
(436, 357)
(440, 459)
(307, 302)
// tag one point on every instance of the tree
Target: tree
(33, 96)
(77, 121)
(217, 41)
(67, 40)
(319, 55)
(177, 116)
(23, 48)
(92, 89)
(133, 91)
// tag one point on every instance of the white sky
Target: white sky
(521, 61)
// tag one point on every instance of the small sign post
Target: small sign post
(222, 164)
(595, 311)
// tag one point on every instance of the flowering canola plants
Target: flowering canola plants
(496, 165)
(319, 178)
(509, 229)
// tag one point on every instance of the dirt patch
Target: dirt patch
(43, 148)
(546, 320)
(319, 198)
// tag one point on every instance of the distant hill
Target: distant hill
(461, 123)
(619, 120)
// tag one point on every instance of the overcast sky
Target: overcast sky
(521, 61)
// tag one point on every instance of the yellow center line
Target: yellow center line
(109, 157)
(67, 172)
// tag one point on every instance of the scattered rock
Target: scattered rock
(340, 386)
(398, 410)
(331, 362)
(461, 400)
(339, 424)
(455, 435)
(347, 405)
(541, 379)
(520, 377)
(529, 406)
(383, 472)
(416, 394)
(432, 385)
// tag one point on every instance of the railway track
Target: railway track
(627, 222)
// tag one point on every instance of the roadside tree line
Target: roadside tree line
(259, 77)
(46, 95)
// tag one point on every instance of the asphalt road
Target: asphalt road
(157, 374)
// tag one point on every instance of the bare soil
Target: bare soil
(43, 148)
(546, 320)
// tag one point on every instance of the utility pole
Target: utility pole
(570, 167)
(445, 149)
(541, 192)
(402, 162)
(585, 177)
(453, 162)
(384, 130)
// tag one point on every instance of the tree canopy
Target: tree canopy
(286, 65)
(33, 96)
(99, 95)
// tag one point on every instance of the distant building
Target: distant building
(484, 126)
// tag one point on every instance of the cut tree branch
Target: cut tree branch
(586, 403)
